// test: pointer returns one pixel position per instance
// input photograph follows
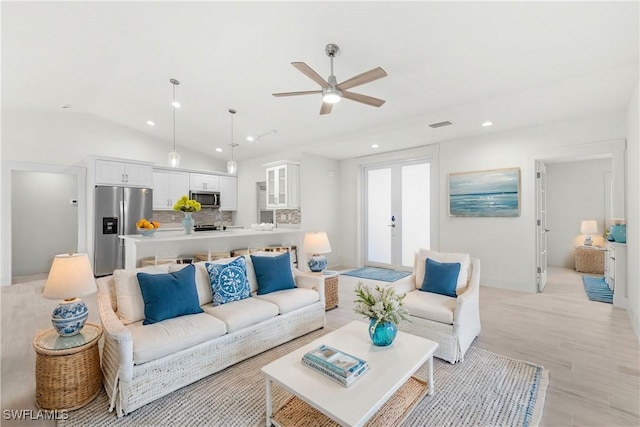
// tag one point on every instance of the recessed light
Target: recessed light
(487, 123)
(374, 146)
(176, 104)
(250, 138)
(151, 123)
(219, 150)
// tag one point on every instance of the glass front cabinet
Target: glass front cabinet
(283, 185)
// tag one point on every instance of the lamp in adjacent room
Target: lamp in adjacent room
(70, 277)
(174, 157)
(588, 227)
(232, 166)
(316, 243)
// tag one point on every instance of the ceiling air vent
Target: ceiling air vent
(440, 124)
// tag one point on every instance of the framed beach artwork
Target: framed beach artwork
(485, 193)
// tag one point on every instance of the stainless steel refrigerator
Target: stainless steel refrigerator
(117, 209)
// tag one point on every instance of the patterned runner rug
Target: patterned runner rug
(597, 289)
(486, 390)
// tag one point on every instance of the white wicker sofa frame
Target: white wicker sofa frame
(130, 386)
(454, 337)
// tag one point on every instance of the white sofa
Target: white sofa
(451, 322)
(142, 363)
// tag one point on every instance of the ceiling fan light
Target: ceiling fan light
(331, 97)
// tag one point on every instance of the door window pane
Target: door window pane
(416, 208)
(379, 215)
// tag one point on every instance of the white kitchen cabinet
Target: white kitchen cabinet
(615, 273)
(109, 172)
(168, 187)
(204, 182)
(283, 189)
(228, 193)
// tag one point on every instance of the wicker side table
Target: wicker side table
(590, 259)
(68, 374)
(330, 289)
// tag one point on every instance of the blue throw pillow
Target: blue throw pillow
(169, 295)
(229, 281)
(273, 273)
(441, 277)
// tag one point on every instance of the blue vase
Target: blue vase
(619, 232)
(383, 334)
(187, 223)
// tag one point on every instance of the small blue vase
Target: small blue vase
(383, 334)
(187, 223)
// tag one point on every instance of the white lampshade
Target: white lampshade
(70, 276)
(589, 226)
(316, 243)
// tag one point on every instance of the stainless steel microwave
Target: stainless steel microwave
(207, 199)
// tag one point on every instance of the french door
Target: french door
(397, 216)
(541, 225)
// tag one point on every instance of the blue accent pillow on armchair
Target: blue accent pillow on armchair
(273, 273)
(169, 295)
(441, 277)
(229, 281)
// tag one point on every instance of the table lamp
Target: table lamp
(70, 277)
(316, 243)
(588, 227)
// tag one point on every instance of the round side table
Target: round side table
(68, 374)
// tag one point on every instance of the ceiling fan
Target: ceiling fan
(332, 91)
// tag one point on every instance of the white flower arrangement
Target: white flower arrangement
(382, 304)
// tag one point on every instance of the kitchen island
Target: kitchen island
(175, 244)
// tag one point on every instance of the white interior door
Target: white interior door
(398, 213)
(541, 225)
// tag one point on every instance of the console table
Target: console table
(590, 259)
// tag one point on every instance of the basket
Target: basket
(331, 292)
(214, 256)
(590, 260)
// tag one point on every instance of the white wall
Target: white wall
(633, 211)
(575, 192)
(44, 222)
(319, 196)
(505, 246)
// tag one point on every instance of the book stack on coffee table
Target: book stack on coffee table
(335, 364)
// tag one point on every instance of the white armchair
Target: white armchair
(453, 322)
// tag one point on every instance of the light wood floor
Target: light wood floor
(589, 348)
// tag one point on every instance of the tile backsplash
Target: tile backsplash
(288, 216)
(204, 216)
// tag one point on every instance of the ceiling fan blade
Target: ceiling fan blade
(304, 92)
(326, 108)
(360, 79)
(308, 71)
(369, 100)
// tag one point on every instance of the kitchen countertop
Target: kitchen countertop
(175, 236)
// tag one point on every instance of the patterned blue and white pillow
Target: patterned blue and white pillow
(229, 281)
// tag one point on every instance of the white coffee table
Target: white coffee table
(390, 368)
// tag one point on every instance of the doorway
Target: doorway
(397, 213)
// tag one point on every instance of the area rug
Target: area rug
(373, 273)
(485, 390)
(597, 289)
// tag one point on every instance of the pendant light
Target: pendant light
(174, 157)
(232, 166)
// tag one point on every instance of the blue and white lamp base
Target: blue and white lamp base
(317, 263)
(69, 316)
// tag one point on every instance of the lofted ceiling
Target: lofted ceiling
(515, 63)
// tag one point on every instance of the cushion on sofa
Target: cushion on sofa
(203, 284)
(449, 257)
(169, 295)
(291, 299)
(240, 314)
(273, 273)
(427, 305)
(161, 339)
(441, 277)
(128, 295)
(229, 281)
